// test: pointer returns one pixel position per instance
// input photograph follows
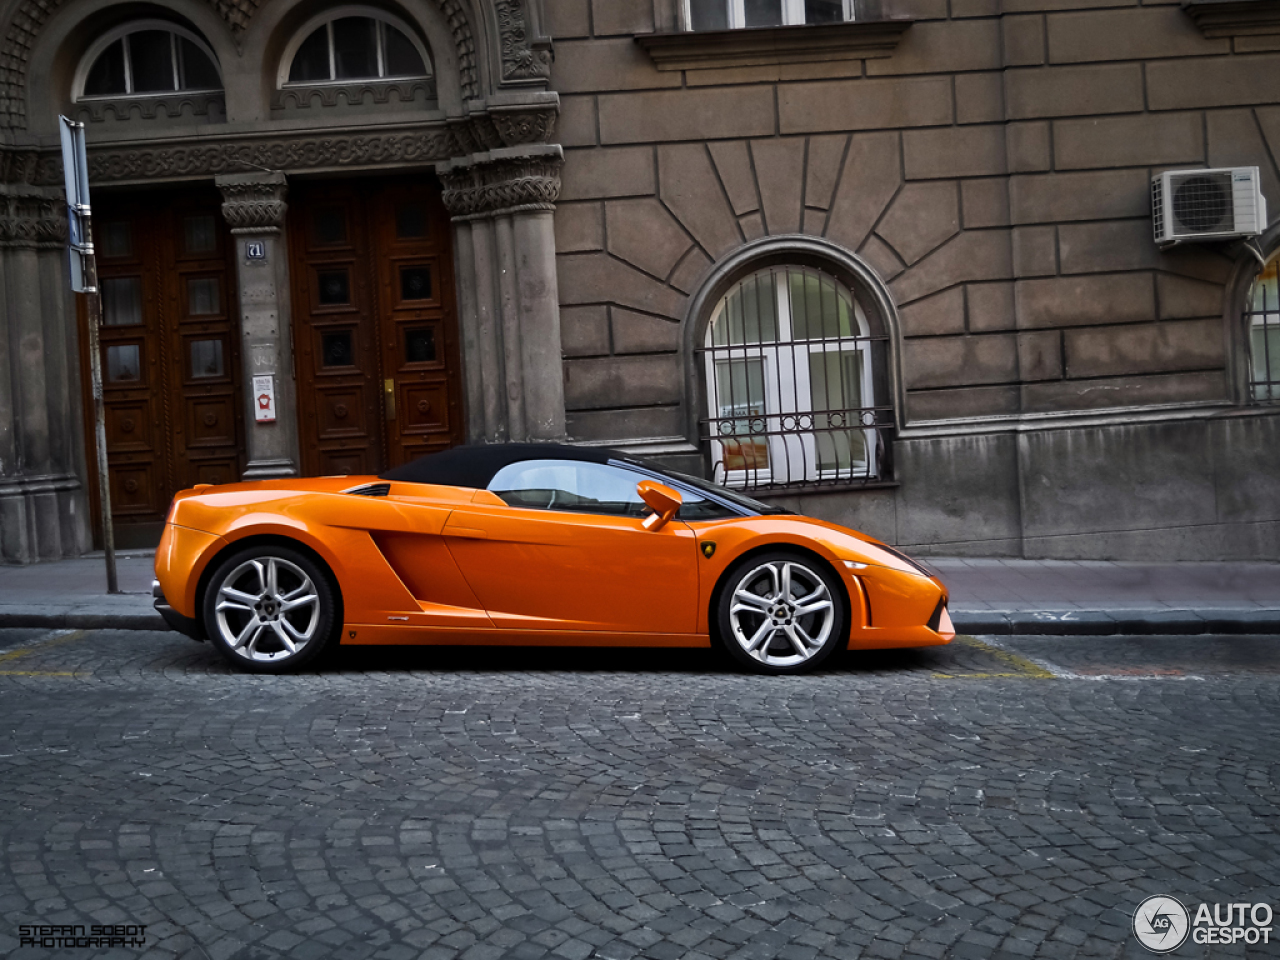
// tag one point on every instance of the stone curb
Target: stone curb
(1111, 623)
(1073, 623)
(81, 620)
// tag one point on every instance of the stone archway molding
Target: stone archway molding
(1249, 259)
(523, 57)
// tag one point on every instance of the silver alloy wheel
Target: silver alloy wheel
(781, 613)
(267, 610)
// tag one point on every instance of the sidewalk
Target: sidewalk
(1102, 597)
(73, 593)
(987, 596)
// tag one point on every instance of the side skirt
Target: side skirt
(356, 634)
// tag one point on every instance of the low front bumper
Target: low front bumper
(903, 610)
(184, 625)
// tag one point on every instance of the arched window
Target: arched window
(790, 383)
(355, 44)
(149, 57)
(1263, 318)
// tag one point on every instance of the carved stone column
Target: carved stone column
(502, 201)
(43, 510)
(253, 205)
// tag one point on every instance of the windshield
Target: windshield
(726, 494)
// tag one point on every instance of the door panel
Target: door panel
(170, 353)
(204, 366)
(418, 327)
(374, 324)
(335, 334)
(545, 570)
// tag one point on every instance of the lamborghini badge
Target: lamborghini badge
(708, 548)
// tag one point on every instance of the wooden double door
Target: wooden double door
(170, 353)
(374, 324)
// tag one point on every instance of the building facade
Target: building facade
(887, 262)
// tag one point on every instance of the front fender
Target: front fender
(890, 601)
(736, 538)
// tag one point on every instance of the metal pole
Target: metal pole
(84, 279)
(93, 310)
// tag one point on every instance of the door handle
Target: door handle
(389, 391)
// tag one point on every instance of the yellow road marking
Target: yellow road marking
(52, 640)
(1023, 668)
(41, 673)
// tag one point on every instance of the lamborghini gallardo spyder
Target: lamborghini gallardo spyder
(530, 544)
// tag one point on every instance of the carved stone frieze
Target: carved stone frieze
(474, 134)
(20, 165)
(27, 166)
(254, 202)
(493, 185)
(205, 158)
(521, 58)
(31, 219)
(518, 127)
(211, 105)
(353, 94)
(504, 127)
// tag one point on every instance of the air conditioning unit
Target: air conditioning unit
(1207, 204)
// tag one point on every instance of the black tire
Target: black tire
(768, 635)
(255, 600)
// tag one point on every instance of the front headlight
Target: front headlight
(888, 557)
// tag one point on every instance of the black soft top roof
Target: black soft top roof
(475, 465)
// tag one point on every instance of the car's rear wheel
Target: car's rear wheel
(270, 608)
(781, 613)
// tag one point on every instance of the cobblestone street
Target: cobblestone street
(992, 799)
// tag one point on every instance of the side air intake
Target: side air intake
(370, 490)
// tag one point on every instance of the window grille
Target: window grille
(789, 363)
(1263, 322)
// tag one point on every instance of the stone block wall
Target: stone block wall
(994, 169)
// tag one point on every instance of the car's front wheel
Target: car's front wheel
(269, 609)
(781, 613)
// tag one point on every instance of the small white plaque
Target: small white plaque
(264, 399)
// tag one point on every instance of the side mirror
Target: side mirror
(661, 499)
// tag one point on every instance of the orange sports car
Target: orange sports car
(537, 544)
